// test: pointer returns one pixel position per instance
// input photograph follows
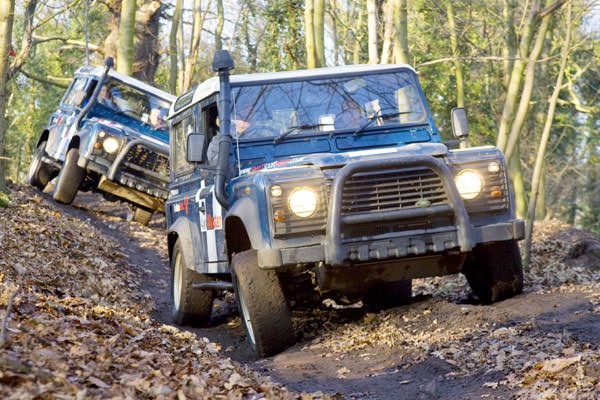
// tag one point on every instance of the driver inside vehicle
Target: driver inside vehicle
(106, 98)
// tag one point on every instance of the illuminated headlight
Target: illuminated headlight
(111, 145)
(469, 184)
(303, 202)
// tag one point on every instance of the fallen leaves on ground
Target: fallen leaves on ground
(478, 340)
(79, 324)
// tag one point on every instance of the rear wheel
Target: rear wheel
(39, 173)
(190, 306)
(388, 295)
(69, 178)
(494, 271)
(262, 306)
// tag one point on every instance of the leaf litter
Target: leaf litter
(79, 324)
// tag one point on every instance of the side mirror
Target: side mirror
(196, 148)
(460, 125)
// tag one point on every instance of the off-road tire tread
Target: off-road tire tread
(495, 271)
(69, 179)
(269, 311)
(196, 304)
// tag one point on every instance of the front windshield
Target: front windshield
(326, 105)
(134, 102)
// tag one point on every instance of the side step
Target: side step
(214, 285)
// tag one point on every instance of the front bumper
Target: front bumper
(337, 250)
(145, 173)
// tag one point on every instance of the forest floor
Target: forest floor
(84, 308)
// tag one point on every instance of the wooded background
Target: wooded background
(527, 71)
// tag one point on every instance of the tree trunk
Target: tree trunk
(319, 29)
(7, 9)
(388, 31)
(516, 175)
(516, 75)
(146, 41)
(401, 38)
(125, 45)
(173, 45)
(192, 59)
(311, 54)
(527, 91)
(219, 27)
(372, 32)
(334, 32)
(539, 161)
(510, 50)
(460, 88)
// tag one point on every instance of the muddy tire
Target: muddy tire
(141, 215)
(69, 178)
(388, 295)
(262, 306)
(189, 306)
(39, 174)
(494, 271)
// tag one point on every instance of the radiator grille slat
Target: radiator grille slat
(148, 160)
(392, 190)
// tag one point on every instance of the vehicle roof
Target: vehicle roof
(98, 71)
(211, 85)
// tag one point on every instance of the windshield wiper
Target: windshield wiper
(294, 128)
(372, 118)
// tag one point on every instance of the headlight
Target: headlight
(111, 145)
(303, 202)
(469, 184)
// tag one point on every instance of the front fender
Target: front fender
(246, 212)
(184, 230)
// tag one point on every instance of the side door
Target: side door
(192, 193)
(63, 118)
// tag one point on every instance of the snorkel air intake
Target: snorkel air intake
(223, 63)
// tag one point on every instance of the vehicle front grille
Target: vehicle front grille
(389, 190)
(148, 160)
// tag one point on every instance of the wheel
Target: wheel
(388, 295)
(189, 306)
(141, 215)
(262, 306)
(39, 174)
(494, 271)
(69, 178)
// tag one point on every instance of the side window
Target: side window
(76, 94)
(179, 133)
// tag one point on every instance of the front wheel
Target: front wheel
(39, 173)
(494, 271)
(262, 306)
(69, 179)
(190, 306)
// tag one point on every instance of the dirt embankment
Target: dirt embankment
(87, 295)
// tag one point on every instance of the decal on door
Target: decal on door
(211, 226)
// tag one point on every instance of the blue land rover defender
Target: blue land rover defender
(293, 187)
(108, 135)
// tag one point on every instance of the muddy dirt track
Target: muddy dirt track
(443, 345)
